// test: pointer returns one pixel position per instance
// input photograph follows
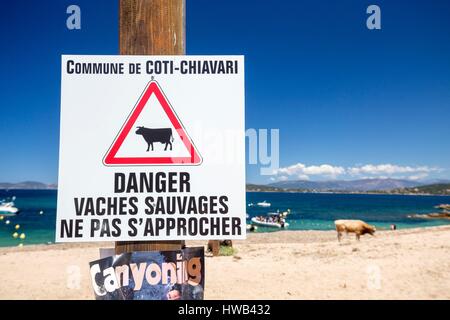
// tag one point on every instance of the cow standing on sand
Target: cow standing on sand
(358, 227)
(162, 135)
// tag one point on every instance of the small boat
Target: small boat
(269, 224)
(278, 213)
(8, 209)
(263, 204)
(251, 204)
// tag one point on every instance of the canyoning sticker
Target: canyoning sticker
(155, 275)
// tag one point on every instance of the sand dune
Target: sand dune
(403, 264)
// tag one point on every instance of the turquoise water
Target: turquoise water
(38, 228)
(318, 211)
(309, 212)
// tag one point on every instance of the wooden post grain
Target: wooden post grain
(151, 27)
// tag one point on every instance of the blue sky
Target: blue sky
(349, 102)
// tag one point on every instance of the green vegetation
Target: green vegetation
(227, 251)
(262, 188)
(438, 189)
(265, 188)
(432, 189)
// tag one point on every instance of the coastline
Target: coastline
(315, 211)
(404, 264)
(280, 191)
(354, 193)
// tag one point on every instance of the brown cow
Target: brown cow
(358, 227)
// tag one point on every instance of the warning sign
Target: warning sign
(164, 139)
(151, 148)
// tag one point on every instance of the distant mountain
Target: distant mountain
(27, 185)
(347, 185)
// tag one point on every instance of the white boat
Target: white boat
(269, 224)
(263, 204)
(8, 209)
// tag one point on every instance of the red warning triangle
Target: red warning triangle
(160, 135)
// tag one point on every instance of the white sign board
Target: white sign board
(151, 148)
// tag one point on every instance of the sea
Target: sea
(309, 211)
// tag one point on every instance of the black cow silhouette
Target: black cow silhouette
(162, 135)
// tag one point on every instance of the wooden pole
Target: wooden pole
(151, 27)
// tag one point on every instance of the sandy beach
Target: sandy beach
(402, 264)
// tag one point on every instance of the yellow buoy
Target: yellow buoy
(20, 245)
(22, 236)
(17, 226)
(15, 235)
(2, 217)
